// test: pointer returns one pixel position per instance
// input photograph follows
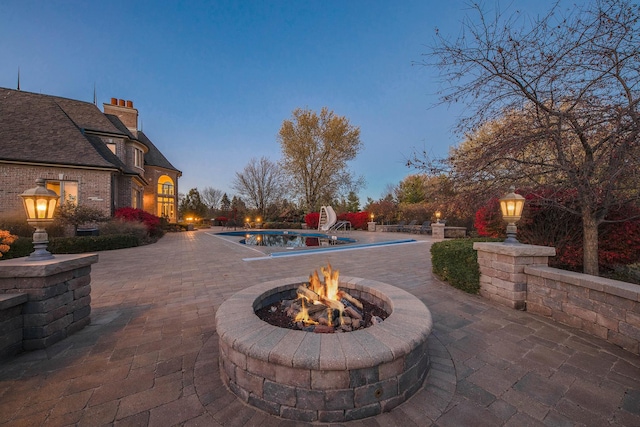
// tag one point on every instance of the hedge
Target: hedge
(456, 262)
(282, 225)
(23, 246)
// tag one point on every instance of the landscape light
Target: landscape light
(511, 205)
(40, 206)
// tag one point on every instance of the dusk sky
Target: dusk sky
(214, 80)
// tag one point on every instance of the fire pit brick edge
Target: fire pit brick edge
(324, 377)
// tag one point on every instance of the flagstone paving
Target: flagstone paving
(149, 356)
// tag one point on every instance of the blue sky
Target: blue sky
(214, 80)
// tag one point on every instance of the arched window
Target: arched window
(166, 198)
(165, 186)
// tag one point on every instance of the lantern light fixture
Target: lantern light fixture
(438, 214)
(40, 206)
(511, 205)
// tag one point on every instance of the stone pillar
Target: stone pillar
(59, 296)
(437, 230)
(371, 225)
(502, 277)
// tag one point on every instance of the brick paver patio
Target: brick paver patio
(149, 356)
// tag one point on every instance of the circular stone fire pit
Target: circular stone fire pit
(323, 377)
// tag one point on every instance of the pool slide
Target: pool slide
(327, 218)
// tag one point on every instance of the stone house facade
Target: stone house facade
(98, 159)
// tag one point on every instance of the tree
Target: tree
(353, 202)
(411, 189)
(385, 210)
(77, 215)
(192, 206)
(262, 183)
(238, 210)
(566, 87)
(225, 203)
(315, 151)
(211, 197)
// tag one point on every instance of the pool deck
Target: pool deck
(149, 356)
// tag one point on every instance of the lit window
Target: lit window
(67, 190)
(165, 186)
(166, 207)
(112, 147)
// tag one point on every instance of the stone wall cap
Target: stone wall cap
(514, 249)
(603, 284)
(11, 300)
(22, 267)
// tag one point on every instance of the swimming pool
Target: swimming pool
(287, 239)
(296, 242)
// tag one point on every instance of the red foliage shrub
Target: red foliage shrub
(488, 221)
(618, 242)
(358, 220)
(152, 222)
(312, 219)
(542, 224)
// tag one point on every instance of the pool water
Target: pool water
(288, 239)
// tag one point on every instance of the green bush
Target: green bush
(455, 262)
(282, 225)
(16, 225)
(173, 227)
(21, 247)
(73, 245)
(78, 245)
(119, 226)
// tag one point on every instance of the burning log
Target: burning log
(353, 313)
(314, 297)
(352, 300)
(307, 293)
(322, 307)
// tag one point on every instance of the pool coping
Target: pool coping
(314, 251)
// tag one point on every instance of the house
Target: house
(98, 159)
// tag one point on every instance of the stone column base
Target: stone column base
(502, 277)
(437, 231)
(58, 296)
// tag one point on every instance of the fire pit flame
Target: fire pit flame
(303, 314)
(329, 289)
(324, 307)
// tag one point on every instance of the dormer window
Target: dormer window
(138, 160)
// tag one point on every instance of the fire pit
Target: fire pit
(327, 377)
(322, 307)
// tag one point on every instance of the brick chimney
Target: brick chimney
(125, 112)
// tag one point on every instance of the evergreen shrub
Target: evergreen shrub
(23, 246)
(456, 262)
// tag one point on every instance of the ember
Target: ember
(322, 307)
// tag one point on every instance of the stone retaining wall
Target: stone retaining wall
(11, 323)
(606, 308)
(518, 276)
(58, 296)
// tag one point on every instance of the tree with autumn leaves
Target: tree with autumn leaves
(315, 151)
(554, 104)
